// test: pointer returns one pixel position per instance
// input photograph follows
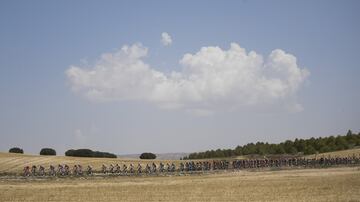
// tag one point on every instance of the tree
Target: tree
(279, 149)
(228, 152)
(208, 154)
(293, 150)
(238, 150)
(261, 150)
(70, 152)
(48, 151)
(16, 150)
(249, 149)
(349, 133)
(300, 145)
(219, 153)
(324, 149)
(148, 155)
(351, 139)
(99, 154)
(89, 153)
(341, 143)
(311, 142)
(305, 146)
(330, 142)
(309, 150)
(288, 146)
(319, 143)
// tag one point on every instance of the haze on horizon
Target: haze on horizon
(129, 77)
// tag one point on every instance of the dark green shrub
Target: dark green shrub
(48, 151)
(147, 156)
(89, 153)
(16, 150)
(309, 150)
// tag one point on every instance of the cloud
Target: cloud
(210, 80)
(166, 39)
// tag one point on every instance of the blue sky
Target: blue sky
(41, 40)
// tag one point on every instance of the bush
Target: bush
(79, 153)
(293, 150)
(70, 152)
(147, 156)
(16, 150)
(309, 150)
(104, 155)
(89, 153)
(324, 149)
(48, 151)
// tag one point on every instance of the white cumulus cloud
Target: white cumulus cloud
(166, 39)
(210, 80)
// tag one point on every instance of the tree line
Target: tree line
(81, 153)
(70, 152)
(298, 146)
(89, 153)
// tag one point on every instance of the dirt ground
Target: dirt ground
(331, 184)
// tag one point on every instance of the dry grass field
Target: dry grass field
(332, 184)
(14, 163)
(343, 153)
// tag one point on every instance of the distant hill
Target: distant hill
(162, 156)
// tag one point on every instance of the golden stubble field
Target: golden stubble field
(331, 184)
(14, 163)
